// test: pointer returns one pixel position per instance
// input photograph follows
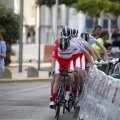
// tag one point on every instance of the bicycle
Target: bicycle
(71, 101)
(76, 104)
(115, 67)
(60, 98)
(112, 67)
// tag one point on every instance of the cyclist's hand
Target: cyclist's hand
(101, 61)
(96, 62)
(91, 64)
(51, 73)
(106, 62)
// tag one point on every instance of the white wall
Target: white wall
(30, 52)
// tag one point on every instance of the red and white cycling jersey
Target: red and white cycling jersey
(92, 40)
(66, 54)
(80, 61)
(64, 58)
(80, 42)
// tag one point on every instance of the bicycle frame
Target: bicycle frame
(61, 91)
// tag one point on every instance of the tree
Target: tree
(114, 9)
(50, 3)
(94, 7)
(9, 26)
(68, 2)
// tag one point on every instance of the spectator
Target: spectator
(108, 47)
(32, 31)
(97, 31)
(30, 35)
(116, 39)
(2, 55)
(104, 36)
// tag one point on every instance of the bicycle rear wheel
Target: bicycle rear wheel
(70, 105)
(63, 108)
(117, 68)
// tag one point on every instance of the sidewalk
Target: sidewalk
(22, 76)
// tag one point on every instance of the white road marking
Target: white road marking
(24, 90)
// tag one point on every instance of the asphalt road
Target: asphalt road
(27, 101)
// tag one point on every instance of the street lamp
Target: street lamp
(21, 36)
(39, 38)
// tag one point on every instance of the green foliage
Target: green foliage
(68, 2)
(114, 7)
(50, 3)
(9, 24)
(94, 7)
(9, 28)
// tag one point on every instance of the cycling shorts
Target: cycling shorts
(79, 60)
(60, 63)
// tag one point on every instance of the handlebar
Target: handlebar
(113, 60)
(51, 73)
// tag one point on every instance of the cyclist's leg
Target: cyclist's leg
(56, 84)
(79, 80)
(52, 83)
(80, 66)
(77, 66)
(68, 80)
(60, 63)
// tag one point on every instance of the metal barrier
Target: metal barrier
(117, 55)
(100, 98)
(112, 67)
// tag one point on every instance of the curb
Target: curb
(25, 80)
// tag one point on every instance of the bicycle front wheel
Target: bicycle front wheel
(57, 110)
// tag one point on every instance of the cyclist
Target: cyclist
(77, 59)
(92, 40)
(53, 66)
(79, 40)
(62, 53)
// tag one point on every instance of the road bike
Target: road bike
(60, 98)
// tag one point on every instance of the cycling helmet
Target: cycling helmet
(85, 36)
(74, 32)
(64, 43)
(66, 32)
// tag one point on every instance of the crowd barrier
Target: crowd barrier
(100, 98)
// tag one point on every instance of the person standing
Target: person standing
(116, 39)
(104, 36)
(2, 55)
(97, 31)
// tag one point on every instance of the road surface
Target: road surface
(28, 100)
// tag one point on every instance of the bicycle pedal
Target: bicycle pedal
(64, 101)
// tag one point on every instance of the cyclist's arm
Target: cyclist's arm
(89, 48)
(54, 55)
(97, 53)
(53, 64)
(82, 45)
(103, 51)
(87, 55)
